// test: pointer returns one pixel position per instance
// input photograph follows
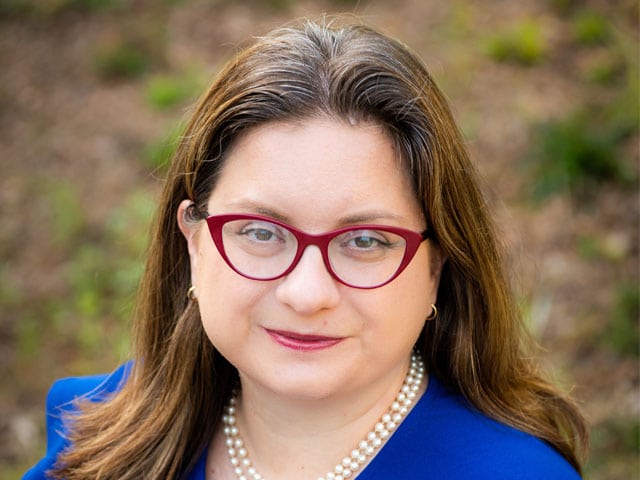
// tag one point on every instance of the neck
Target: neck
(302, 438)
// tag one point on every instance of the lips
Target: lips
(303, 343)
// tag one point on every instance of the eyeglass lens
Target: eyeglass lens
(359, 257)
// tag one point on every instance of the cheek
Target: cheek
(399, 309)
(211, 275)
(417, 287)
(218, 294)
(227, 301)
(223, 310)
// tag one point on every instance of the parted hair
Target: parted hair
(160, 422)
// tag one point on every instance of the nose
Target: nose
(309, 287)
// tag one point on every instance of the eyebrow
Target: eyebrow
(370, 217)
(257, 208)
(363, 218)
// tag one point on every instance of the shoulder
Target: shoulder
(61, 402)
(444, 438)
(65, 391)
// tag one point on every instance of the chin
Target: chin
(305, 386)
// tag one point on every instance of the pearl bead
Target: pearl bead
(355, 461)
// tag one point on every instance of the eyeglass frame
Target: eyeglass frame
(412, 239)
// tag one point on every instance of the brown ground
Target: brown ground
(73, 140)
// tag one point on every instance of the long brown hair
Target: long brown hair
(158, 425)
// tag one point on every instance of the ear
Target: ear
(189, 230)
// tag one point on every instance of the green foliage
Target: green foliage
(606, 69)
(159, 154)
(91, 4)
(65, 212)
(574, 155)
(624, 112)
(586, 149)
(48, 8)
(127, 226)
(285, 5)
(563, 7)
(534, 310)
(165, 91)
(523, 44)
(103, 275)
(346, 3)
(91, 306)
(10, 295)
(28, 336)
(596, 248)
(121, 59)
(623, 332)
(591, 28)
(615, 446)
(589, 247)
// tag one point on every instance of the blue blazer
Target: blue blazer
(442, 438)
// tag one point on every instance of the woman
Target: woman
(324, 295)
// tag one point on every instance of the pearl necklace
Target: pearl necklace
(359, 456)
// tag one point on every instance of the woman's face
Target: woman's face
(317, 175)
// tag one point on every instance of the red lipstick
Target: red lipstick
(302, 343)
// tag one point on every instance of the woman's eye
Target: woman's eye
(366, 240)
(262, 233)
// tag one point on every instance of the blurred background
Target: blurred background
(93, 94)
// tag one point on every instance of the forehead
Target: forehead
(318, 164)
